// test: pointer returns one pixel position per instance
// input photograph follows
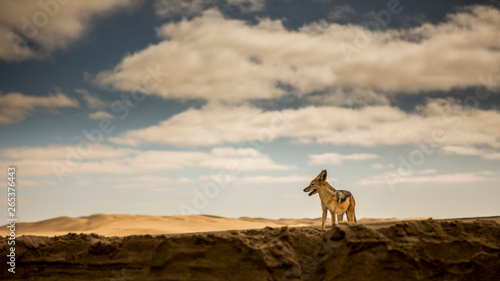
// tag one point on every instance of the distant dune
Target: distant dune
(124, 225)
(453, 250)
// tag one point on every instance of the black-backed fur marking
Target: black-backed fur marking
(342, 195)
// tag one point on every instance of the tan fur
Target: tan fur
(330, 200)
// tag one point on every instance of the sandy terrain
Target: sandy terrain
(124, 225)
(455, 249)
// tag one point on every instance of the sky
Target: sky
(230, 108)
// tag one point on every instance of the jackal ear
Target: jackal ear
(322, 176)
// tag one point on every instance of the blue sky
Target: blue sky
(230, 108)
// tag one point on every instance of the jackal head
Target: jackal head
(316, 183)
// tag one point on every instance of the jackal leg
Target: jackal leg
(323, 219)
(350, 210)
(350, 216)
(333, 217)
(340, 217)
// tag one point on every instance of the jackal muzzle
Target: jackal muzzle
(310, 188)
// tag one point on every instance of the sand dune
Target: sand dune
(455, 249)
(123, 225)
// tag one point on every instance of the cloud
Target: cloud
(378, 166)
(471, 151)
(427, 172)
(273, 179)
(337, 159)
(187, 8)
(100, 114)
(48, 25)
(57, 152)
(424, 177)
(341, 12)
(102, 159)
(15, 107)
(156, 183)
(437, 53)
(349, 97)
(211, 125)
(41, 183)
(168, 8)
(135, 204)
(93, 102)
(216, 59)
(248, 159)
(266, 179)
(248, 6)
(441, 122)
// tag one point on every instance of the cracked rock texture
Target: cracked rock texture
(409, 250)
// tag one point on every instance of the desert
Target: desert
(255, 249)
(249, 140)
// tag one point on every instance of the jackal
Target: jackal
(337, 202)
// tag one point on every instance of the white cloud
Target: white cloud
(167, 8)
(226, 59)
(30, 182)
(341, 12)
(337, 159)
(248, 6)
(339, 96)
(248, 159)
(93, 102)
(186, 8)
(57, 152)
(492, 156)
(100, 114)
(366, 126)
(135, 204)
(378, 166)
(50, 25)
(211, 125)
(84, 182)
(15, 107)
(104, 159)
(461, 150)
(273, 179)
(424, 177)
(430, 57)
(471, 151)
(266, 179)
(427, 172)
(156, 183)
